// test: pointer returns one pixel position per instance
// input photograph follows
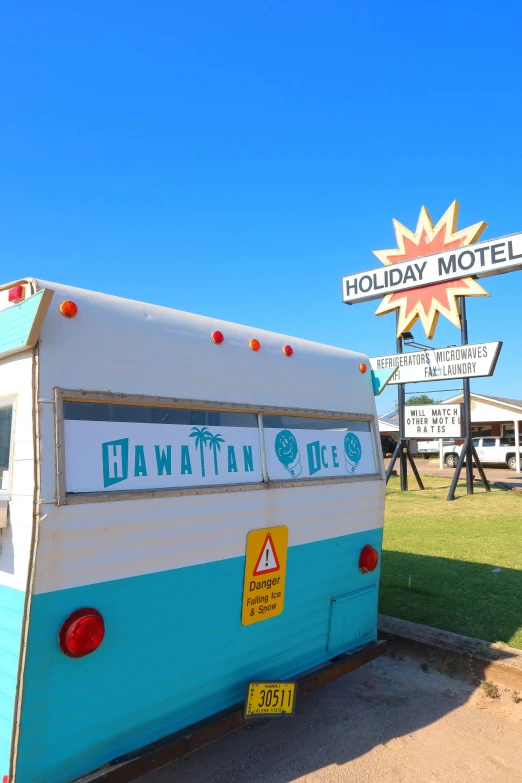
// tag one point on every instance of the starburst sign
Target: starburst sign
(428, 302)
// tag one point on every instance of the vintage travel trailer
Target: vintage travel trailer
(187, 505)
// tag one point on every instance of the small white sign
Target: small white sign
(441, 364)
(296, 453)
(433, 421)
(5, 479)
(483, 259)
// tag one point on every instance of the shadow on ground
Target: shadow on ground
(394, 719)
(473, 599)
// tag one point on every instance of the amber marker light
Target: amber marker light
(68, 309)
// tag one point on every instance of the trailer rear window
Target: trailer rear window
(127, 447)
(130, 447)
(144, 414)
(311, 423)
(6, 423)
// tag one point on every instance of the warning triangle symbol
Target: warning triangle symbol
(267, 560)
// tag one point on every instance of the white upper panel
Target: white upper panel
(135, 348)
(99, 542)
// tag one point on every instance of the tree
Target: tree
(214, 442)
(421, 399)
(201, 435)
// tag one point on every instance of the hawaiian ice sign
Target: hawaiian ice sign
(119, 456)
(299, 453)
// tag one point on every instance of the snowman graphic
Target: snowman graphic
(287, 452)
(352, 451)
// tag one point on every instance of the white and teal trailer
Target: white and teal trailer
(139, 447)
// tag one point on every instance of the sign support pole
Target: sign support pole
(468, 450)
(414, 468)
(480, 468)
(403, 460)
(401, 449)
(467, 402)
(393, 460)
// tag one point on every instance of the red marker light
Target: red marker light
(82, 633)
(362, 367)
(217, 337)
(288, 350)
(5, 779)
(255, 345)
(369, 559)
(16, 294)
(68, 309)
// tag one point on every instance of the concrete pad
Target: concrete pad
(396, 720)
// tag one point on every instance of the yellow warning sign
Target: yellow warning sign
(265, 574)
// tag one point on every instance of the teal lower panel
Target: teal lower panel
(175, 652)
(11, 618)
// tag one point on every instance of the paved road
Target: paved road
(389, 722)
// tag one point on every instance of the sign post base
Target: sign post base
(402, 450)
(468, 451)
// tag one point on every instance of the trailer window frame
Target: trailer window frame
(61, 396)
(9, 401)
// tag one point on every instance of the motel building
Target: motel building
(494, 416)
(389, 433)
(389, 430)
(491, 417)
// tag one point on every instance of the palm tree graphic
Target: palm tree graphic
(214, 442)
(201, 435)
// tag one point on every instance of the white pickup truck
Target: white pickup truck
(490, 450)
(428, 448)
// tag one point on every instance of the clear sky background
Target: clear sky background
(236, 158)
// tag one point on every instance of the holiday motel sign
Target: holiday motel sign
(430, 268)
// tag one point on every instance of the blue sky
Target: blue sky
(237, 158)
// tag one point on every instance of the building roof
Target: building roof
(503, 400)
(506, 400)
(389, 422)
(390, 416)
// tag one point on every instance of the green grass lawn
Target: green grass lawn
(450, 551)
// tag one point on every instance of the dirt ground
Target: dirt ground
(396, 720)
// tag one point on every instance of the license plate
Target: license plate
(270, 698)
